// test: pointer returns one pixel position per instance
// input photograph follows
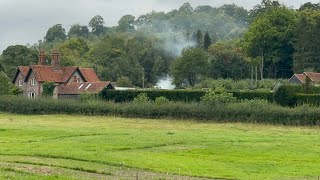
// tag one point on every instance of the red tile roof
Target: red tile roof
(45, 73)
(301, 77)
(24, 70)
(315, 77)
(89, 74)
(87, 87)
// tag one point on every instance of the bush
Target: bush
(161, 100)
(48, 88)
(141, 98)
(285, 96)
(213, 99)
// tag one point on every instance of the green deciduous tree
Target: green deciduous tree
(190, 67)
(6, 87)
(126, 23)
(307, 41)
(270, 37)
(97, 25)
(78, 31)
(18, 55)
(227, 61)
(56, 32)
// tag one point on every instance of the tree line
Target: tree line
(191, 44)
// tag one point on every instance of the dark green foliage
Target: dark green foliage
(285, 96)
(55, 33)
(250, 95)
(6, 87)
(79, 31)
(172, 95)
(254, 111)
(18, 55)
(97, 25)
(188, 69)
(48, 88)
(311, 99)
(206, 41)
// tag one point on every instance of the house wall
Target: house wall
(16, 83)
(37, 88)
(75, 76)
(295, 80)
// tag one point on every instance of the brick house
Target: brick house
(70, 81)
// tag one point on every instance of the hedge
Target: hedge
(250, 95)
(178, 95)
(172, 95)
(255, 111)
(311, 99)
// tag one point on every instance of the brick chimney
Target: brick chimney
(42, 58)
(55, 60)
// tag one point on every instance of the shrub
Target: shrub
(141, 98)
(285, 96)
(212, 98)
(48, 88)
(161, 100)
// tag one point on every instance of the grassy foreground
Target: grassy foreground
(67, 147)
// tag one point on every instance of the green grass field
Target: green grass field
(82, 147)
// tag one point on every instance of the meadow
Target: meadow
(101, 147)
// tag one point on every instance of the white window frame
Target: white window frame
(33, 82)
(20, 83)
(32, 95)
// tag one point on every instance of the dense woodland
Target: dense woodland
(192, 44)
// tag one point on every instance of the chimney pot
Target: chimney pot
(42, 58)
(55, 61)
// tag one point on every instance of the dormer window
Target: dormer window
(33, 82)
(20, 82)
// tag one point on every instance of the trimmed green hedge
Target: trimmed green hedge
(311, 99)
(250, 95)
(172, 95)
(178, 95)
(256, 111)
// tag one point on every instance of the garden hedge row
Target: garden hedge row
(172, 95)
(255, 111)
(178, 95)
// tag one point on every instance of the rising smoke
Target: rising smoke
(171, 42)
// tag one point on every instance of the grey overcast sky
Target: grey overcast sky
(26, 21)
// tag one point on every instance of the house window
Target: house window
(77, 80)
(20, 82)
(32, 95)
(33, 82)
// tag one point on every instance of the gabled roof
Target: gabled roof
(300, 77)
(314, 77)
(45, 73)
(24, 71)
(87, 87)
(89, 74)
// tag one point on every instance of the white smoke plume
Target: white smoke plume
(165, 83)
